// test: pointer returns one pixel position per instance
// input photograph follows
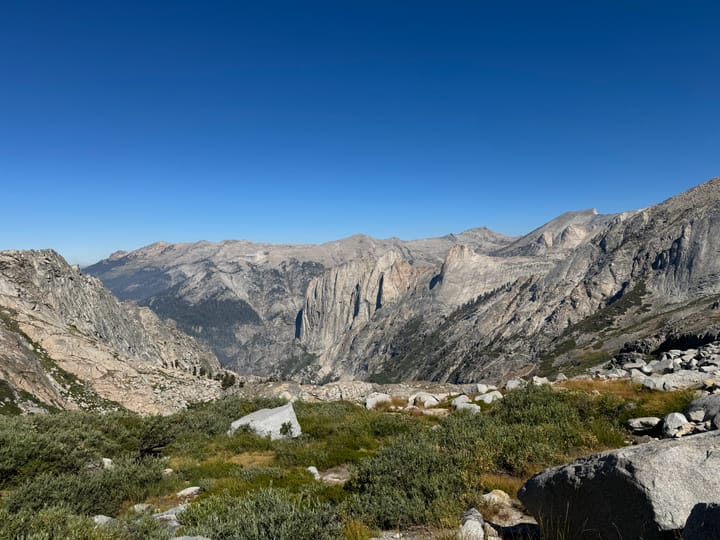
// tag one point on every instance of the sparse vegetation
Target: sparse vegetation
(403, 473)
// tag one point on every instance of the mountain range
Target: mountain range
(154, 329)
(471, 306)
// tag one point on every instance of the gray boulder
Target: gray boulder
(101, 520)
(423, 399)
(707, 406)
(643, 424)
(277, 423)
(471, 407)
(472, 526)
(169, 518)
(459, 401)
(703, 522)
(642, 491)
(515, 384)
(490, 397)
(675, 424)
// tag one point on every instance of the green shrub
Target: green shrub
(267, 514)
(59, 523)
(90, 491)
(49, 524)
(409, 482)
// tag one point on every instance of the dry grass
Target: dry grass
(250, 459)
(622, 389)
(505, 482)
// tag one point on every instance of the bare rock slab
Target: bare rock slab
(277, 423)
(643, 491)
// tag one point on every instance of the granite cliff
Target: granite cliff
(67, 342)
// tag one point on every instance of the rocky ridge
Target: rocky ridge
(458, 308)
(67, 342)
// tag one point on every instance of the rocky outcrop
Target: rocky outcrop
(645, 491)
(70, 343)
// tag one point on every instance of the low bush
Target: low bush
(89, 492)
(409, 482)
(266, 514)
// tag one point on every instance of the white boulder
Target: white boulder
(277, 423)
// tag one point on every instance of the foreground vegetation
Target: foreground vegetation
(405, 470)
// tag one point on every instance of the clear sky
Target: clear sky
(127, 122)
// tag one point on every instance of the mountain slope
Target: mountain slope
(68, 342)
(456, 308)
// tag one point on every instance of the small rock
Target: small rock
(497, 497)
(376, 398)
(482, 388)
(459, 401)
(674, 424)
(167, 472)
(664, 366)
(515, 384)
(141, 507)
(189, 492)
(643, 424)
(313, 470)
(101, 520)
(633, 365)
(169, 517)
(107, 463)
(423, 399)
(647, 369)
(561, 377)
(471, 407)
(490, 397)
(637, 376)
(709, 406)
(472, 526)
(540, 381)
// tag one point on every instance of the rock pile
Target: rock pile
(672, 370)
(702, 415)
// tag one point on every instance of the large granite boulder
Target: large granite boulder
(706, 407)
(277, 423)
(643, 491)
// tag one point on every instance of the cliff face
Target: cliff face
(272, 309)
(70, 343)
(457, 308)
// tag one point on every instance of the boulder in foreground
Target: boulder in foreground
(645, 491)
(277, 423)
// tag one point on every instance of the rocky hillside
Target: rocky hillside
(67, 342)
(478, 305)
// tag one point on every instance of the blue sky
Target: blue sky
(124, 123)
